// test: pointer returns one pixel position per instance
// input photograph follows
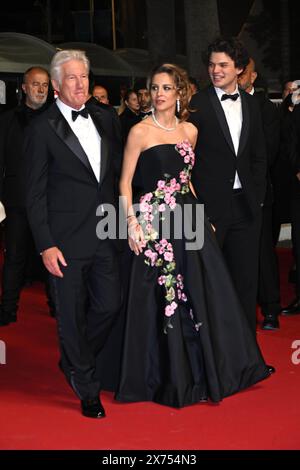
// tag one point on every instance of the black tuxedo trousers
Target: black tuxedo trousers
(18, 246)
(87, 301)
(269, 283)
(238, 238)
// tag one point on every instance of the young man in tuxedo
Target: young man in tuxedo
(268, 278)
(229, 176)
(71, 168)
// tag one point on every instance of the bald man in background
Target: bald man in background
(17, 233)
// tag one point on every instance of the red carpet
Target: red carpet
(39, 411)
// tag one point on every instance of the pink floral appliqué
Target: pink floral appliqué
(160, 253)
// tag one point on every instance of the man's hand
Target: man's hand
(298, 175)
(51, 257)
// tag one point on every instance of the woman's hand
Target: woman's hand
(135, 237)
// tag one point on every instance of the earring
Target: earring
(178, 105)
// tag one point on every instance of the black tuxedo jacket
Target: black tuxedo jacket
(271, 125)
(13, 125)
(128, 119)
(294, 155)
(62, 191)
(216, 161)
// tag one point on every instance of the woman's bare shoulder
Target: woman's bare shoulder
(141, 128)
(191, 131)
(138, 136)
(190, 127)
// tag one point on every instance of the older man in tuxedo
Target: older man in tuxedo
(71, 170)
(230, 170)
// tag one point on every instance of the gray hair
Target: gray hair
(64, 56)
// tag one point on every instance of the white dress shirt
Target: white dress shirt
(234, 118)
(87, 134)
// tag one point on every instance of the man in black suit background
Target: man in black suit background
(71, 175)
(294, 158)
(229, 175)
(268, 284)
(17, 233)
(144, 98)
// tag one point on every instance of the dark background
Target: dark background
(70, 22)
(58, 21)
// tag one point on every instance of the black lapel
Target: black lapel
(64, 131)
(245, 124)
(97, 119)
(221, 116)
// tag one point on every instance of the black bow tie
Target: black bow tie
(230, 97)
(83, 112)
(145, 114)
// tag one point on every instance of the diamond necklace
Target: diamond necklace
(163, 127)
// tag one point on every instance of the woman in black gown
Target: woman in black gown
(187, 338)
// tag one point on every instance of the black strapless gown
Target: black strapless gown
(187, 338)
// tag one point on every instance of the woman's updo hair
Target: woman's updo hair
(181, 81)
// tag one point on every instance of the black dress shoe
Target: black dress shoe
(28, 282)
(271, 369)
(293, 308)
(4, 321)
(292, 275)
(270, 322)
(6, 318)
(92, 408)
(52, 312)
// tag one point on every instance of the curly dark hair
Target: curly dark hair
(233, 47)
(181, 81)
